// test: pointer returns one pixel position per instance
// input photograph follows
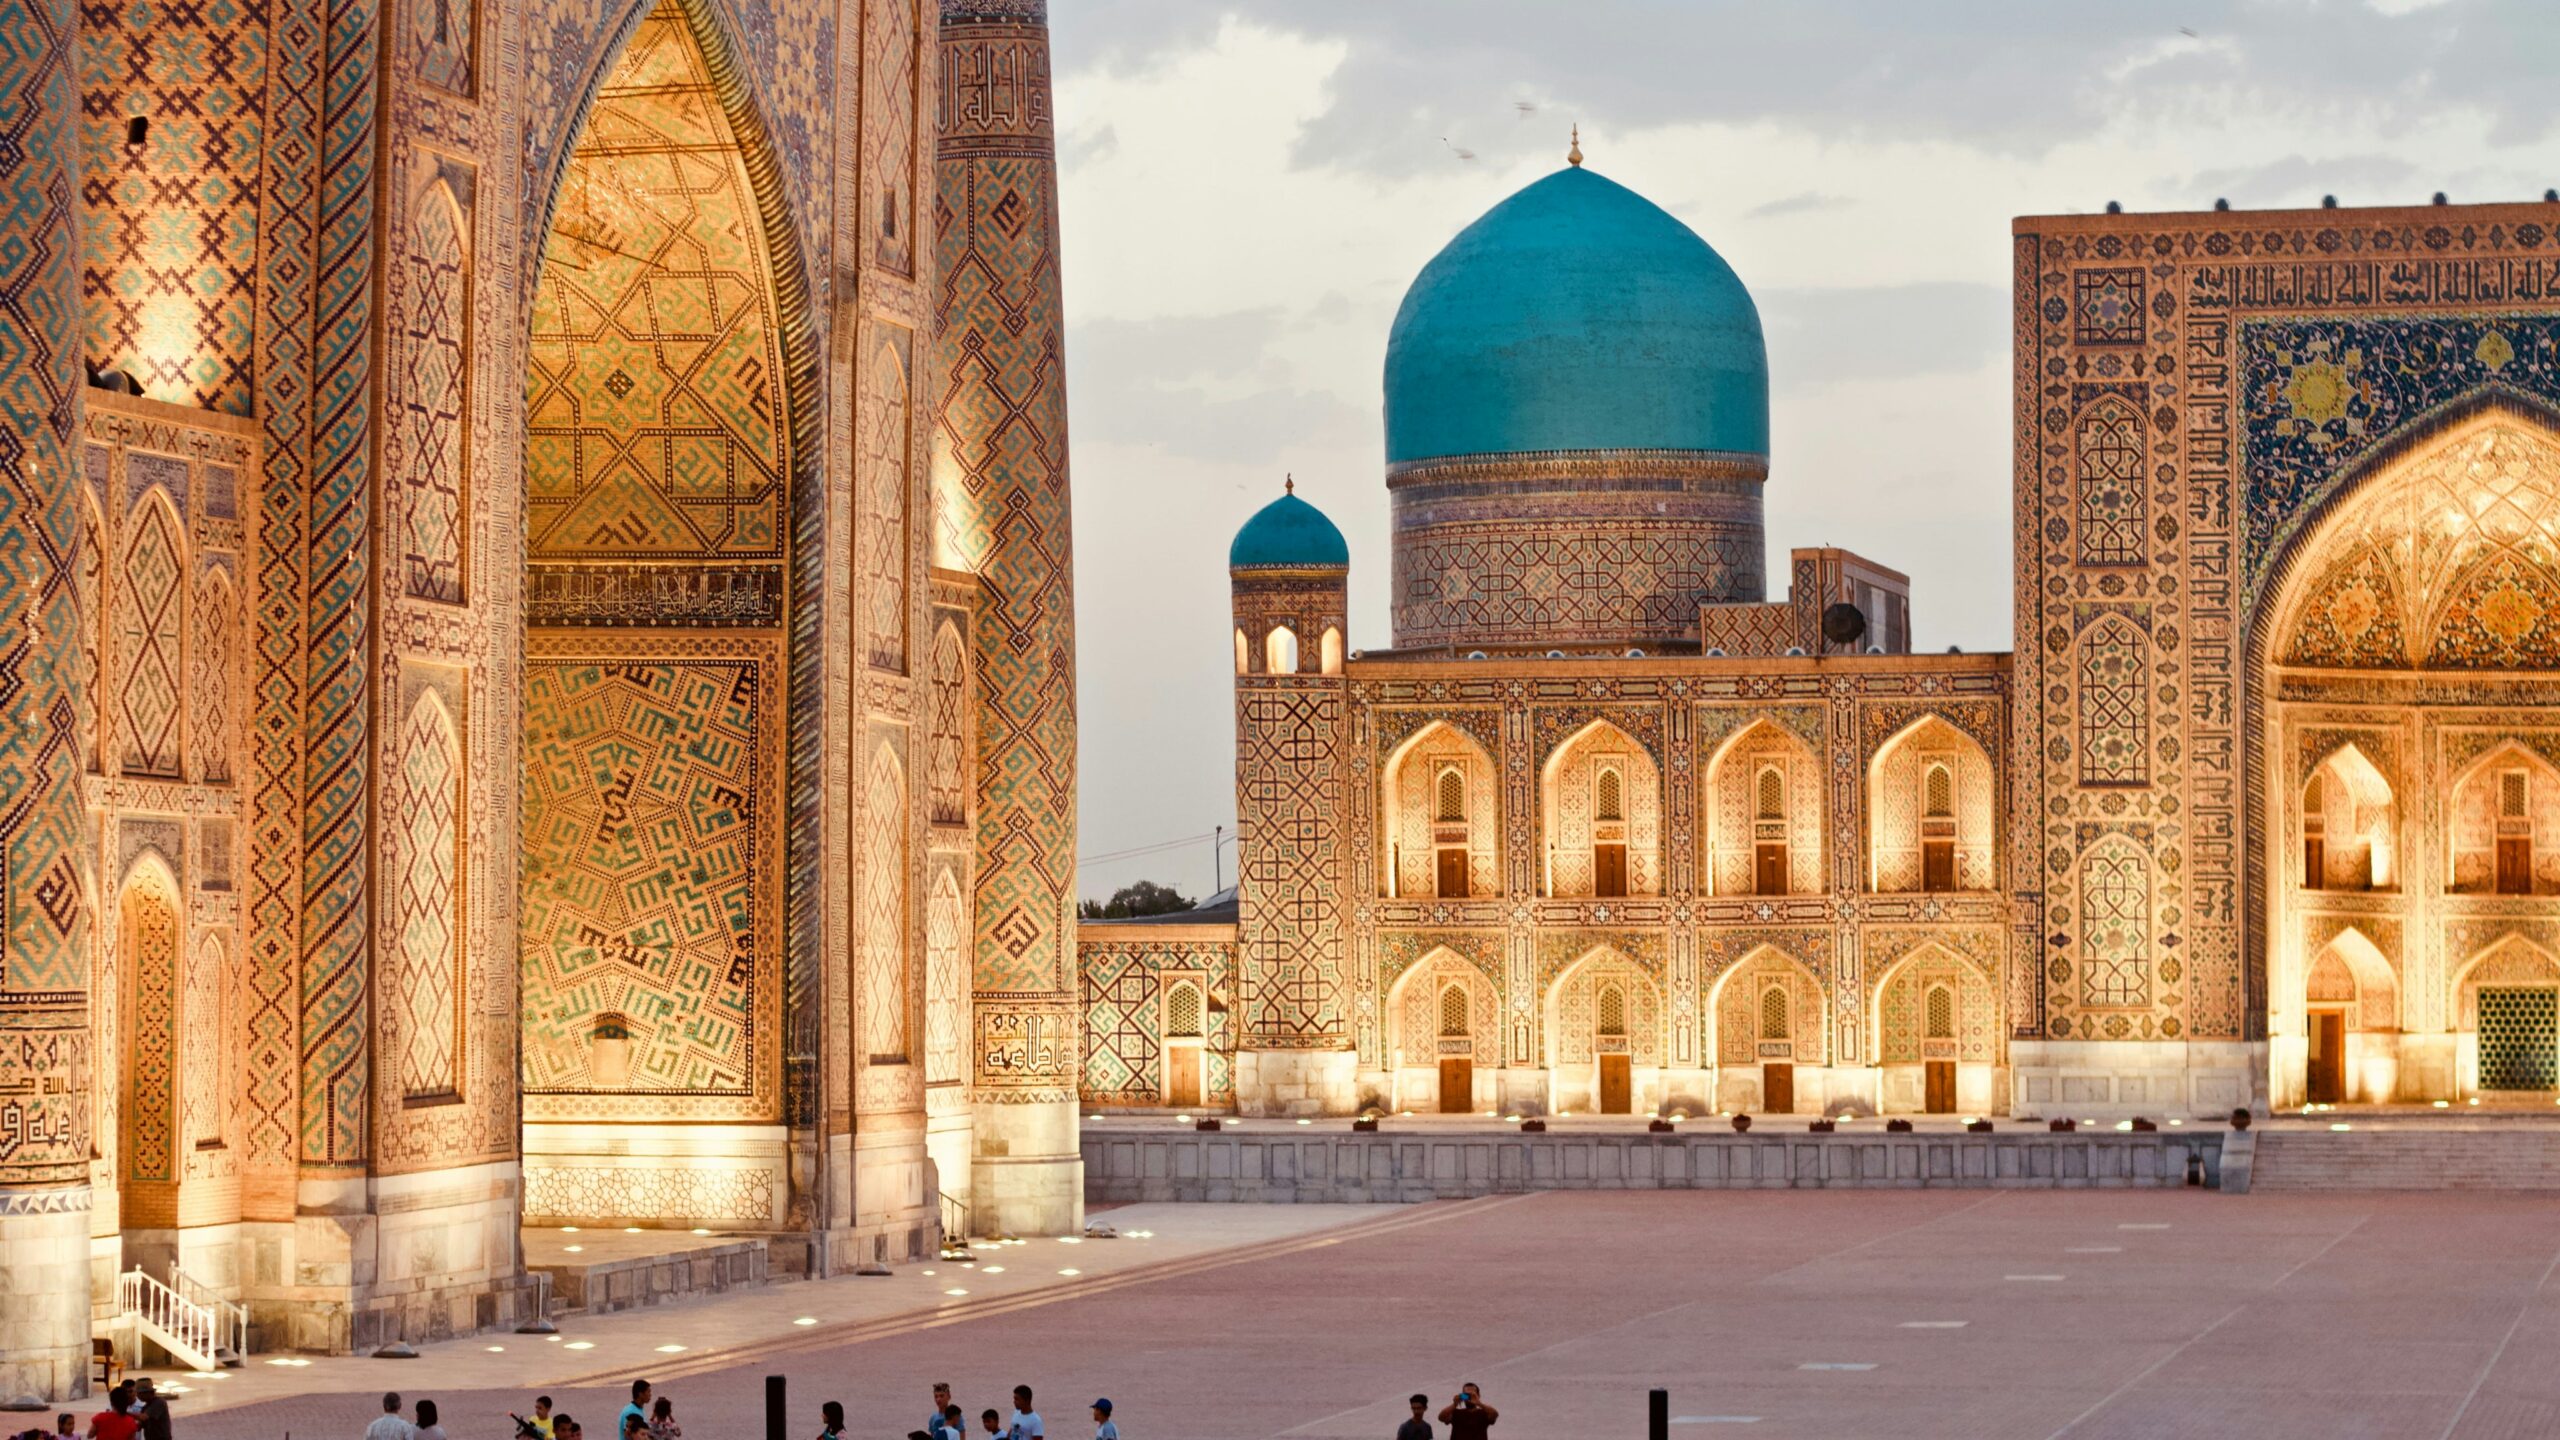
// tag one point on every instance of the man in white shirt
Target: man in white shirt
(389, 1425)
(1026, 1421)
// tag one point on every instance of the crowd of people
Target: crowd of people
(137, 1411)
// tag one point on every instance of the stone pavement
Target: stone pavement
(1911, 1314)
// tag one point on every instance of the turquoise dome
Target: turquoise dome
(1288, 534)
(1576, 315)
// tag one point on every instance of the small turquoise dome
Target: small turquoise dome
(1288, 534)
(1576, 315)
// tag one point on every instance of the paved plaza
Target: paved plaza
(1798, 1313)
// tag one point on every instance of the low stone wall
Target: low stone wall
(1155, 1164)
(604, 1286)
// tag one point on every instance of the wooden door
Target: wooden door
(1938, 1087)
(1608, 870)
(1182, 1076)
(1769, 868)
(1937, 864)
(1453, 875)
(1778, 1088)
(2315, 862)
(2515, 865)
(1457, 1087)
(1617, 1085)
(2327, 1072)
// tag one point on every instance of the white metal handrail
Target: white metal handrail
(182, 1327)
(231, 1319)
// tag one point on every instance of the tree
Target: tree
(1144, 897)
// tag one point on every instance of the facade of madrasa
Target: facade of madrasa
(2264, 810)
(538, 662)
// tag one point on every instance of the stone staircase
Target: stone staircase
(2408, 1157)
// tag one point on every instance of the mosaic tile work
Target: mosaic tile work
(169, 244)
(426, 989)
(431, 416)
(651, 948)
(148, 946)
(441, 35)
(882, 1013)
(657, 422)
(149, 649)
(1000, 473)
(1125, 983)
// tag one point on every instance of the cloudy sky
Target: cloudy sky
(1248, 188)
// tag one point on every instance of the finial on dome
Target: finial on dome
(1574, 156)
(1289, 484)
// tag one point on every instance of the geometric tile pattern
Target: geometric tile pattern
(650, 886)
(205, 1072)
(1289, 869)
(2115, 713)
(2107, 305)
(169, 239)
(1937, 1006)
(150, 593)
(211, 717)
(2115, 897)
(440, 42)
(1125, 986)
(424, 989)
(2109, 439)
(889, 132)
(431, 301)
(1607, 1006)
(882, 480)
(1000, 470)
(884, 911)
(1536, 580)
(149, 941)
(2519, 1038)
(946, 981)
(946, 778)
(656, 421)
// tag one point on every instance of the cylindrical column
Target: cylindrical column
(44, 899)
(1000, 476)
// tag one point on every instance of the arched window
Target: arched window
(1773, 1013)
(1608, 800)
(1773, 794)
(1244, 654)
(1329, 651)
(1941, 796)
(1453, 795)
(1612, 1008)
(1182, 1012)
(1280, 651)
(1453, 1010)
(1939, 1013)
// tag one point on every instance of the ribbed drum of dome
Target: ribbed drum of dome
(1577, 408)
(1000, 476)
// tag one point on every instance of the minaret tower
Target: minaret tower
(1000, 480)
(1289, 574)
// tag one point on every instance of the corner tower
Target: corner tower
(1577, 404)
(1290, 573)
(1000, 482)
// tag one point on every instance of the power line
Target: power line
(1136, 851)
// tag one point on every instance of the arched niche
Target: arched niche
(1444, 1035)
(1600, 801)
(2350, 825)
(1769, 1015)
(1930, 815)
(2502, 825)
(1603, 1022)
(1762, 814)
(1440, 817)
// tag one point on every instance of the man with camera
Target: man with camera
(1466, 1414)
